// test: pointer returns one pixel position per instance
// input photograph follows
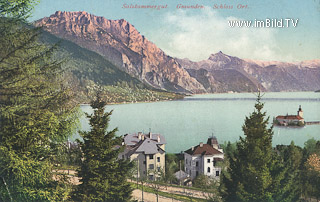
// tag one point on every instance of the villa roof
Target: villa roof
(206, 149)
(146, 146)
(291, 117)
(133, 139)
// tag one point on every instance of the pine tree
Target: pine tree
(255, 172)
(103, 176)
(36, 111)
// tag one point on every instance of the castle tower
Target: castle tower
(213, 142)
(300, 112)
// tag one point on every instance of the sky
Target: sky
(198, 33)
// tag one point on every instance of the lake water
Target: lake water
(187, 122)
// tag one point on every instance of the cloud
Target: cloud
(199, 34)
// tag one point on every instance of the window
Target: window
(208, 169)
(208, 160)
(151, 166)
(150, 156)
(158, 169)
(158, 159)
(214, 163)
(186, 161)
(150, 177)
(144, 162)
(197, 164)
(197, 173)
(217, 173)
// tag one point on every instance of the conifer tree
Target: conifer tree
(255, 172)
(103, 176)
(36, 111)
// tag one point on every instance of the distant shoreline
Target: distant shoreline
(187, 97)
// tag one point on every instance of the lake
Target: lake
(187, 122)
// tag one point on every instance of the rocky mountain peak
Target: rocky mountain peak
(218, 57)
(80, 21)
(121, 43)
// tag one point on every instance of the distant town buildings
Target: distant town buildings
(148, 150)
(203, 159)
(297, 120)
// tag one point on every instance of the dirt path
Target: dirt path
(181, 191)
(150, 197)
(147, 196)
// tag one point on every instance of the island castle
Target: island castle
(291, 120)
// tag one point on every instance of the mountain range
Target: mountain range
(221, 73)
(119, 43)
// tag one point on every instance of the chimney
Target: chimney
(142, 137)
(150, 135)
(139, 135)
(201, 144)
(192, 148)
(158, 138)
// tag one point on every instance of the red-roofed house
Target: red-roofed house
(291, 119)
(202, 159)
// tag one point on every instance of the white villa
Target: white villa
(148, 150)
(203, 158)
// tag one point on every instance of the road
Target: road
(150, 197)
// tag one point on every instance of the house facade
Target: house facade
(148, 152)
(203, 159)
(291, 119)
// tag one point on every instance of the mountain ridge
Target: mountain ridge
(264, 75)
(122, 44)
(119, 42)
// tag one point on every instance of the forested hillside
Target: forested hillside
(85, 70)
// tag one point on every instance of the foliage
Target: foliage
(36, 111)
(310, 174)
(202, 181)
(311, 146)
(103, 176)
(116, 94)
(255, 172)
(313, 163)
(311, 177)
(229, 149)
(67, 155)
(18, 9)
(209, 186)
(173, 162)
(291, 158)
